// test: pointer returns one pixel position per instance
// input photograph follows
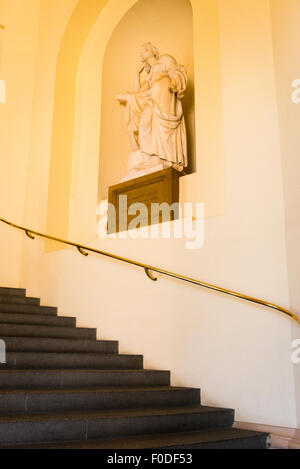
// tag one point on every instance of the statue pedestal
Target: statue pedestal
(141, 164)
(155, 188)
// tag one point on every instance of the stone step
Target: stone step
(39, 360)
(80, 426)
(88, 399)
(39, 319)
(68, 378)
(12, 291)
(19, 300)
(216, 438)
(28, 309)
(36, 344)
(25, 330)
(60, 387)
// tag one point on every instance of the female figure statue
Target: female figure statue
(154, 113)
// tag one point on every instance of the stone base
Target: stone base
(143, 172)
(155, 188)
(140, 164)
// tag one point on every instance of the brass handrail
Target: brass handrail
(148, 269)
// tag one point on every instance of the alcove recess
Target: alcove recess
(169, 26)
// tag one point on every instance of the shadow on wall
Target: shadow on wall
(189, 113)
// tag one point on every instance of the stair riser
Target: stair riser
(16, 330)
(67, 379)
(256, 442)
(12, 291)
(13, 318)
(71, 361)
(29, 309)
(34, 344)
(86, 401)
(19, 300)
(82, 429)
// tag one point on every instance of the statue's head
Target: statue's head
(148, 51)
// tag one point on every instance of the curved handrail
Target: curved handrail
(148, 269)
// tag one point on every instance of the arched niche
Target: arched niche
(167, 24)
(83, 18)
(74, 176)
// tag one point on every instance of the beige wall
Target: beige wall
(54, 17)
(286, 37)
(82, 18)
(239, 354)
(222, 345)
(18, 64)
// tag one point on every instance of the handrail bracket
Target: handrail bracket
(30, 235)
(148, 273)
(82, 252)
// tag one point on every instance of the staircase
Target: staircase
(62, 388)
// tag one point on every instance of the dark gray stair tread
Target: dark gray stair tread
(215, 438)
(97, 389)
(95, 398)
(18, 300)
(28, 308)
(17, 330)
(36, 344)
(19, 360)
(38, 319)
(4, 291)
(112, 414)
(25, 379)
(93, 425)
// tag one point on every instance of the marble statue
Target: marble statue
(154, 115)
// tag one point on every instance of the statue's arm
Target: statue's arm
(122, 98)
(145, 87)
(138, 85)
(173, 86)
(139, 88)
(178, 80)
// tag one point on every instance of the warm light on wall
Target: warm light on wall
(2, 82)
(2, 92)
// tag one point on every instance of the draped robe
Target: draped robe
(156, 115)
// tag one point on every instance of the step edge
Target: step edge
(99, 389)
(96, 415)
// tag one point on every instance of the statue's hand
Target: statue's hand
(122, 98)
(173, 87)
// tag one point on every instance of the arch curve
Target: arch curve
(74, 164)
(82, 20)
